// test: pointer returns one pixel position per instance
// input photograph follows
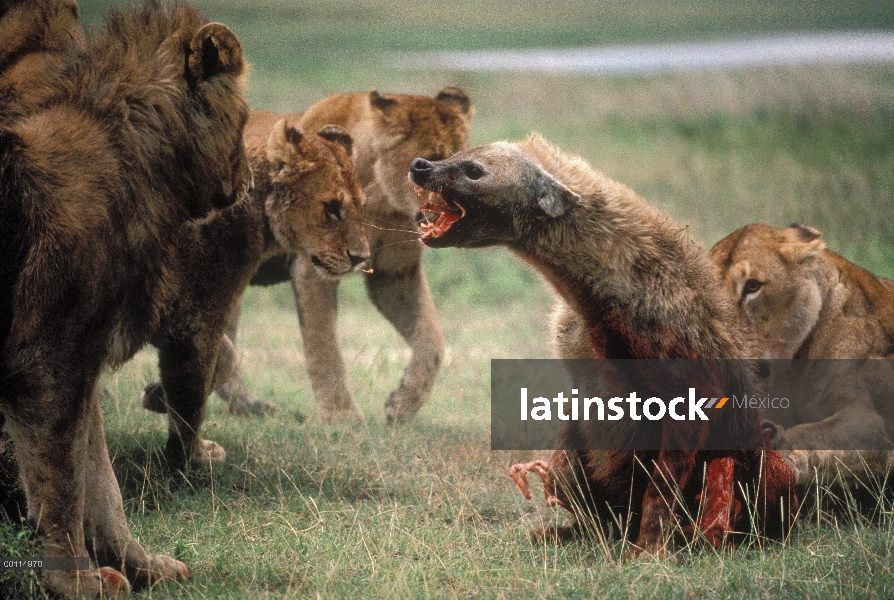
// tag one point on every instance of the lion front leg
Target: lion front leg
(317, 302)
(50, 430)
(405, 299)
(187, 371)
(105, 525)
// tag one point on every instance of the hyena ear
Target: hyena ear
(215, 50)
(336, 134)
(552, 197)
(801, 242)
(282, 143)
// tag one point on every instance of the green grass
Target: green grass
(302, 509)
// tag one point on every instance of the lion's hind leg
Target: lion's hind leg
(231, 388)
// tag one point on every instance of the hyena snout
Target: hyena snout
(421, 171)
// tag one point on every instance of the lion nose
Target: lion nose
(357, 259)
(421, 170)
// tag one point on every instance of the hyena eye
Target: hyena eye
(473, 171)
(751, 286)
(333, 211)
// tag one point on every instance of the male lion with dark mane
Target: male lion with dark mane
(102, 161)
(796, 299)
(33, 34)
(389, 131)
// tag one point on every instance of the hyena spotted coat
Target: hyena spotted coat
(634, 285)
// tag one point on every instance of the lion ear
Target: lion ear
(380, 102)
(552, 197)
(801, 242)
(282, 143)
(456, 96)
(336, 134)
(215, 50)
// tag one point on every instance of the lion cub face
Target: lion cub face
(390, 130)
(313, 201)
(773, 277)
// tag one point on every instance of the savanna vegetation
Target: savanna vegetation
(305, 509)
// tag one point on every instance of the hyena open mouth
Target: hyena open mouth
(448, 211)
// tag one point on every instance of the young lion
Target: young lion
(388, 132)
(306, 201)
(638, 288)
(101, 162)
(797, 299)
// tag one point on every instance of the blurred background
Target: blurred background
(717, 148)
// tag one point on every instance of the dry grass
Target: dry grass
(303, 509)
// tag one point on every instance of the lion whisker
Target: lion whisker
(371, 224)
(413, 241)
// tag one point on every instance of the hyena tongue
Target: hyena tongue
(449, 212)
(441, 225)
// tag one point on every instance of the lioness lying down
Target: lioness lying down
(306, 202)
(797, 299)
(634, 286)
(389, 131)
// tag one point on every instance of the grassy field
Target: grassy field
(303, 509)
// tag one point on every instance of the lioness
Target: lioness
(388, 131)
(797, 299)
(306, 202)
(102, 160)
(639, 288)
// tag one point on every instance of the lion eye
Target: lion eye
(751, 286)
(333, 211)
(473, 171)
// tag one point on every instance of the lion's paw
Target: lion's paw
(208, 451)
(79, 584)
(114, 583)
(339, 416)
(651, 550)
(157, 568)
(774, 436)
(246, 406)
(400, 409)
(167, 568)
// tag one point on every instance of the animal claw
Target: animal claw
(518, 473)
